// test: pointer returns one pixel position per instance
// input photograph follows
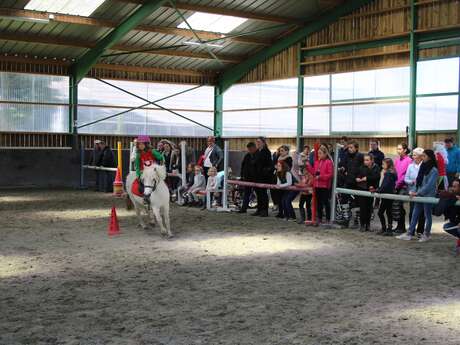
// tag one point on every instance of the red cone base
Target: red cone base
(118, 184)
(114, 227)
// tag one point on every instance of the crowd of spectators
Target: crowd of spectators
(423, 172)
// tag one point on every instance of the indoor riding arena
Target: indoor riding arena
(234, 172)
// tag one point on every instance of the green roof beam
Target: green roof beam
(234, 74)
(84, 64)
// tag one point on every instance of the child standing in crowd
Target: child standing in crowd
(367, 180)
(426, 186)
(285, 179)
(322, 172)
(306, 180)
(281, 155)
(211, 185)
(387, 186)
(191, 197)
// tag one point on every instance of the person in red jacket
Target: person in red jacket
(322, 172)
(442, 160)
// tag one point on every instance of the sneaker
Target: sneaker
(424, 238)
(404, 237)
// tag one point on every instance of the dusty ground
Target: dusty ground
(225, 279)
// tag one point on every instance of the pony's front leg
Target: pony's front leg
(139, 218)
(152, 218)
(156, 212)
(167, 221)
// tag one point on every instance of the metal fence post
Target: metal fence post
(334, 183)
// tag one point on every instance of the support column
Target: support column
(73, 109)
(413, 77)
(299, 137)
(218, 111)
(458, 108)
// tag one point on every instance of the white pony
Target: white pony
(155, 188)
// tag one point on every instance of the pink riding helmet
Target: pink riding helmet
(143, 139)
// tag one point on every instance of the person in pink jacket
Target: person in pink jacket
(401, 163)
(322, 172)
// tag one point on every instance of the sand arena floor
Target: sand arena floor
(224, 279)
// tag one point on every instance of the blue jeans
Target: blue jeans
(418, 209)
(286, 203)
(453, 232)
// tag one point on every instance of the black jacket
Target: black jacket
(388, 184)
(107, 159)
(379, 156)
(372, 177)
(264, 166)
(352, 163)
(249, 168)
(95, 157)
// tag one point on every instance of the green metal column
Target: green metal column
(413, 77)
(458, 107)
(73, 109)
(218, 111)
(299, 137)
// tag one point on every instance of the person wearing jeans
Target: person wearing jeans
(285, 179)
(410, 180)
(426, 187)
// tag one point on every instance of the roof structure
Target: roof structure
(156, 42)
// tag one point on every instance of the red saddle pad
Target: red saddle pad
(135, 188)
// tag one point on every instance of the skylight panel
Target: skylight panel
(212, 22)
(75, 7)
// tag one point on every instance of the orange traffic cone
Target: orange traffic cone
(114, 227)
(118, 184)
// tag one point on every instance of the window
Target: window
(273, 123)
(212, 22)
(385, 117)
(437, 90)
(272, 94)
(34, 103)
(365, 101)
(316, 121)
(316, 90)
(437, 76)
(142, 121)
(74, 7)
(98, 100)
(437, 113)
(265, 108)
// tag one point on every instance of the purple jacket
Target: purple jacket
(401, 165)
